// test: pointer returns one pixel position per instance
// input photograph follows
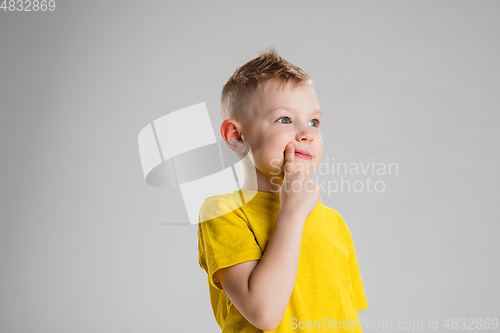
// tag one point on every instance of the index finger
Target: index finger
(289, 166)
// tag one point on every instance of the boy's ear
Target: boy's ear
(230, 132)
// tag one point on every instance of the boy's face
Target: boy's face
(280, 117)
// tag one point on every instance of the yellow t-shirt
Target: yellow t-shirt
(328, 288)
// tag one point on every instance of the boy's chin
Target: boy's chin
(305, 167)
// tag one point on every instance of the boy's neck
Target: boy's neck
(264, 185)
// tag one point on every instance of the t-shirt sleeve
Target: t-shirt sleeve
(224, 237)
(356, 281)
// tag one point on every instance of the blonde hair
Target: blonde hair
(253, 77)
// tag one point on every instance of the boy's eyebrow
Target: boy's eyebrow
(317, 111)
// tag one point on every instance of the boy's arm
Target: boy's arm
(261, 290)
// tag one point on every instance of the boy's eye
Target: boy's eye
(317, 122)
(288, 121)
(283, 118)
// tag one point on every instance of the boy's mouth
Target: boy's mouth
(303, 154)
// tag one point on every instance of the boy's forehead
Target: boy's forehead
(271, 98)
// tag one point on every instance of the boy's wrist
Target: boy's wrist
(292, 212)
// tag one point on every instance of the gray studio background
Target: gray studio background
(85, 244)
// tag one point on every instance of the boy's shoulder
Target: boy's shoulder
(330, 210)
(332, 214)
(219, 205)
(222, 199)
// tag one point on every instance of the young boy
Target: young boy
(281, 261)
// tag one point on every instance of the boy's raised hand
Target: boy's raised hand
(298, 192)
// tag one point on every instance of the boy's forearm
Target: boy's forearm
(271, 282)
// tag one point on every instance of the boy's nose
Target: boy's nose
(304, 135)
